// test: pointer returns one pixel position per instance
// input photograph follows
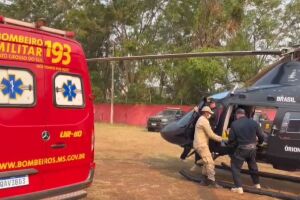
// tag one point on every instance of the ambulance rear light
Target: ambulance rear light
(70, 34)
(36, 25)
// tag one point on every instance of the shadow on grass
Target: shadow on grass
(170, 166)
(167, 165)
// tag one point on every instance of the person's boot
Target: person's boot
(204, 181)
(213, 184)
(194, 168)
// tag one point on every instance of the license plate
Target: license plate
(153, 124)
(14, 182)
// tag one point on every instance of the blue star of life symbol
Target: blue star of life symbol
(12, 86)
(69, 90)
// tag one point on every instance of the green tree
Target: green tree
(290, 28)
(137, 27)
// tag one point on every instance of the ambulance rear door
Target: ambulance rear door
(22, 112)
(69, 113)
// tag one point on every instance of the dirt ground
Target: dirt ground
(132, 163)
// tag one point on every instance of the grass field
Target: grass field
(133, 164)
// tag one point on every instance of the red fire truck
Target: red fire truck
(46, 113)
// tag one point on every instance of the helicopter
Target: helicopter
(274, 89)
(273, 92)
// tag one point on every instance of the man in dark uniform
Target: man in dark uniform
(242, 137)
(214, 118)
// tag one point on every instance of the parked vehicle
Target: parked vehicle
(46, 118)
(161, 119)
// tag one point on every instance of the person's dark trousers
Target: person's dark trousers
(186, 150)
(237, 161)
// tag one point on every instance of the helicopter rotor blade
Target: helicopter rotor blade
(188, 55)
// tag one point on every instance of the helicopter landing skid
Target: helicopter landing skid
(186, 174)
(294, 179)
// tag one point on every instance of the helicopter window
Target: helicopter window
(264, 116)
(190, 116)
(218, 110)
(291, 123)
(185, 119)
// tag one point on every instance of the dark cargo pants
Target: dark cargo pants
(237, 161)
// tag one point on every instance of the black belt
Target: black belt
(247, 146)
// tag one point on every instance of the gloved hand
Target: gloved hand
(196, 109)
(224, 142)
(224, 139)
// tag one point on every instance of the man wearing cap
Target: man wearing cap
(242, 137)
(203, 133)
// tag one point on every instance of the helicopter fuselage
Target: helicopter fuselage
(280, 105)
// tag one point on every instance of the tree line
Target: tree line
(139, 27)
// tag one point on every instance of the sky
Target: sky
(8, 2)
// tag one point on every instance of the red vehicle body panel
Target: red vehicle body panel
(66, 156)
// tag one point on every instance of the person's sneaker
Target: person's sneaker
(238, 190)
(257, 186)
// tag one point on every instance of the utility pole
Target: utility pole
(112, 89)
(112, 93)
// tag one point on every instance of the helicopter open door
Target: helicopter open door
(228, 118)
(264, 116)
(284, 147)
